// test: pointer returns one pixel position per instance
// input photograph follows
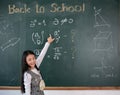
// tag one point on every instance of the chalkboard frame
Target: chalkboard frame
(65, 88)
(70, 88)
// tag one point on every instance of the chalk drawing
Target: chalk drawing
(10, 43)
(103, 43)
(99, 20)
(103, 70)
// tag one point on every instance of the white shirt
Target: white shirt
(27, 76)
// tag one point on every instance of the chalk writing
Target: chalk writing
(63, 21)
(73, 52)
(73, 34)
(57, 53)
(35, 22)
(37, 51)
(56, 21)
(38, 38)
(57, 36)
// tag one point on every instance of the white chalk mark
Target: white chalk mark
(73, 52)
(57, 36)
(33, 23)
(38, 39)
(56, 21)
(73, 34)
(57, 53)
(63, 21)
(103, 44)
(103, 41)
(10, 43)
(103, 70)
(99, 20)
(37, 52)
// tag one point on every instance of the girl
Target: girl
(31, 76)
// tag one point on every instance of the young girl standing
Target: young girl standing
(31, 76)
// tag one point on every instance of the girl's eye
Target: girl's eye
(29, 60)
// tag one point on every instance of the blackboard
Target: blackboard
(86, 50)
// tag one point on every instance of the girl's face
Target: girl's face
(31, 61)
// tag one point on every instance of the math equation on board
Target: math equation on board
(39, 28)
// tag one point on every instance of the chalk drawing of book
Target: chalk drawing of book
(103, 41)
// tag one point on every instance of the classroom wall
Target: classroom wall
(67, 92)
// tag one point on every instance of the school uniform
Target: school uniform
(33, 77)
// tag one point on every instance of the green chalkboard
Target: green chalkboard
(86, 50)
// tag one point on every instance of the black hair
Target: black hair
(25, 67)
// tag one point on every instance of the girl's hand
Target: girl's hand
(50, 39)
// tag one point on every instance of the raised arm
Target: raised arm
(44, 50)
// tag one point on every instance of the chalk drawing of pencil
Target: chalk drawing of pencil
(10, 43)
